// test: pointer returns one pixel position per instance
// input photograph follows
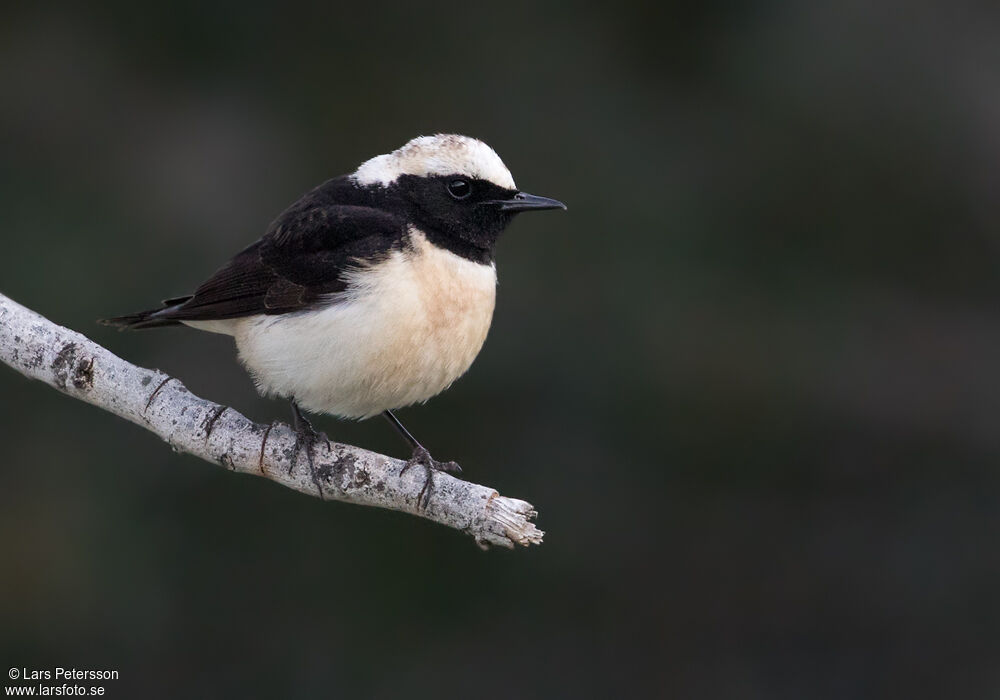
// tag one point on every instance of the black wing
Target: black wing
(297, 265)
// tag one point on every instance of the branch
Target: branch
(78, 367)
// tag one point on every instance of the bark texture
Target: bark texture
(78, 367)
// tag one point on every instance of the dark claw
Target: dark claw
(423, 458)
(309, 439)
(307, 436)
(210, 423)
(450, 467)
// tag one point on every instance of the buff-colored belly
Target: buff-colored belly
(407, 328)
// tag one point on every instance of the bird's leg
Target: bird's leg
(420, 453)
(306, 436)
(421, 457)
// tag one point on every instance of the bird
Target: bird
(372, 292)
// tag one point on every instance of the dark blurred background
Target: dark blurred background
(750, 379)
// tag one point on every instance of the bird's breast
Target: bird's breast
(406, 327)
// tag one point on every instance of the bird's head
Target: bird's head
(453, 187)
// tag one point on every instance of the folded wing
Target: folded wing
(298, 264)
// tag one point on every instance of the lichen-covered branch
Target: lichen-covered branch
(75, 365)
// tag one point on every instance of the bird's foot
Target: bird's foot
(421, 457)
(307, 437)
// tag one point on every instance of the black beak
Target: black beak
(522, 201)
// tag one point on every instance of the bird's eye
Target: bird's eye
(459, 189)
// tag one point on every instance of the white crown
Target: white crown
(443, 154)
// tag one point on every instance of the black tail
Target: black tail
(147, 319)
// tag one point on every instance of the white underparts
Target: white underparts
(226, 326)
(406, 328)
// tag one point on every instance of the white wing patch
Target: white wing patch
(443, 154)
